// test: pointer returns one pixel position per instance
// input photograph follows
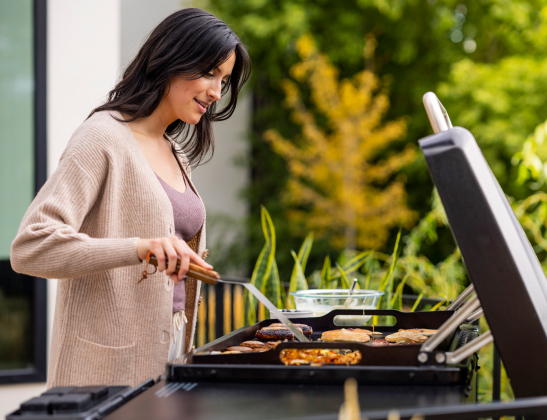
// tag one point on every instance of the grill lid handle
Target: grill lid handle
(460, 300)
(454, 357)
(451, 324)
(438, 117)
(475, 315)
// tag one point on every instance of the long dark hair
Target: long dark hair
(188, 43)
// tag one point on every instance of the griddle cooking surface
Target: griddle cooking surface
(400, 355)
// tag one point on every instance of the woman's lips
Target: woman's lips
(201, 108)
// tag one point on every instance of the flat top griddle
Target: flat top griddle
(388, 365)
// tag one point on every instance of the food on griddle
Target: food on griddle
(306, 329)
(319, 357)
(273, 344)
(274, 334)
(281, 332)
(380, 342)
(406, 337)
(232, 352)
(424, 331)
(254, 344)
(241, 349)
(352, 335)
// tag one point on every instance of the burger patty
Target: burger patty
(274, 334)
(380, 342)
(279, 331)
(241, 349)
(352, 335)
(254, 344)
(306, 329)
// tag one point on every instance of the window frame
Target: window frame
(38, 371)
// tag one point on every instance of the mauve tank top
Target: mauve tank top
(189, 216)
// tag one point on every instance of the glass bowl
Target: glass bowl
(322, 301)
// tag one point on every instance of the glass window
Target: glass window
(22, 298)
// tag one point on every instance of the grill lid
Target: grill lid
(500, 261)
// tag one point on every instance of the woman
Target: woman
(122, 190)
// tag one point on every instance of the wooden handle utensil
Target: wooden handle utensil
(195, 271)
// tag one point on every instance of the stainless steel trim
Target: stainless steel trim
(475, 315)
(460, 300)
(438, 117)
(451, 324)
(470, 348)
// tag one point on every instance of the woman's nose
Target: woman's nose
(215, 91)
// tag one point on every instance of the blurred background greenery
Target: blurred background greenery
(486, 61)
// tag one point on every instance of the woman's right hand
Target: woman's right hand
(167, 250)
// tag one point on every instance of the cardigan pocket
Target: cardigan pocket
(103, 365)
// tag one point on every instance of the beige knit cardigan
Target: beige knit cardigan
(82, 228)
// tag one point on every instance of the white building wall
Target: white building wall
(89, 44)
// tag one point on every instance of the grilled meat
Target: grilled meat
(352, 335)
(254, 344)
(241, 349)
(279, 331)
(306, 329)
(380, 342)
(424, 331)
(274, 334)
(406, 337)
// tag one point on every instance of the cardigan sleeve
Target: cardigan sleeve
(49, 243)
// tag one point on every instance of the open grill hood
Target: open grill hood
(501, 263)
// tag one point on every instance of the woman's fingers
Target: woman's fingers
(156, 248)
(185, 253)
(167, 252)
(194, 257)
(171, 253)
(184, 265)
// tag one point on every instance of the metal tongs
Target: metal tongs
(212, 277)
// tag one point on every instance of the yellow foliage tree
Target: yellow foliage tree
(338, 184)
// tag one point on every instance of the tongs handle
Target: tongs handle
(195, 271)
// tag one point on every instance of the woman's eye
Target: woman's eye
(210, 75)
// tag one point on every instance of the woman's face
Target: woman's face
(188, 100)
